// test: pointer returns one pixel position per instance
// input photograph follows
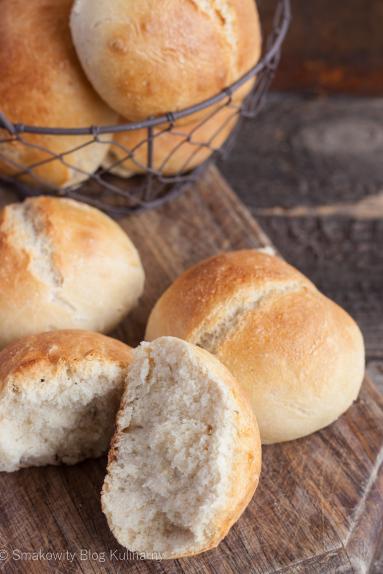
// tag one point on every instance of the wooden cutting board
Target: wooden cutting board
(319, 507)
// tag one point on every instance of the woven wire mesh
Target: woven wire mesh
(161, 154)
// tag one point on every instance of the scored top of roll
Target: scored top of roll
(63, 265)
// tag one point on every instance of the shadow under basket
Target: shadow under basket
(162, 155)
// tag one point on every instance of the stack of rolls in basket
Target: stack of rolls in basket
(241, 348)
(68, 64)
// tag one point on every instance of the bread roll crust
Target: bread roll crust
(42, 84)
(59, 394)
(307, 357)
(200, 294)
(298, 356)
(48, 352)
(147, 58)
(63, 265)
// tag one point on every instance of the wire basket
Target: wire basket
(186, 147)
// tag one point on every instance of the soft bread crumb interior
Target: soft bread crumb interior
(170, 473)
(60, 419)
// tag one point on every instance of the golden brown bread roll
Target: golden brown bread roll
(59, 394)
(186, 455)
(42, 84)
(298, 355)
(63, 265)
(176, 150)
(149, 57)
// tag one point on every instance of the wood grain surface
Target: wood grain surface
(331, 46)
(319, 506)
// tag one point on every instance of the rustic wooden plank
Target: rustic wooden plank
(319, 506)
(332, 46)
(305, 151)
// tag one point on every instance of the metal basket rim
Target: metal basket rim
(171, 117)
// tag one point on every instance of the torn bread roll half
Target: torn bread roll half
(176, 149)
(298, 355)
(42, 84)
(147, 58)
(63, 265)
(59, 394)
(186, 457)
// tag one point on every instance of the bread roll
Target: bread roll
(176, 150)
(185, 459)
(63, 265)
(149, 57)
(298, 355)
(59, 393)
(42, 84)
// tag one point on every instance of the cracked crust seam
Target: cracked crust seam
(25, 229)
(212, 338)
